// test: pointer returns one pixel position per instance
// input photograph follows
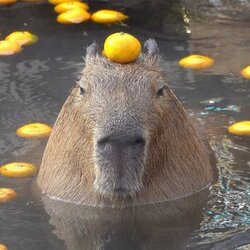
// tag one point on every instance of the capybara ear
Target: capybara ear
(92, 50)
(151, 46)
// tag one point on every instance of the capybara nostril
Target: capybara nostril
(101, 143)
(138, 142)
(119, 189)
(124, 141)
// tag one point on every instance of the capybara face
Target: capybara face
(118, 101)
(122, 137)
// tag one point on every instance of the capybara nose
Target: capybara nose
(119, 142)
(119, 189)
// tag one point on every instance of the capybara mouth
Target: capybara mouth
(115, 191)
(117, 196)
(122, 193)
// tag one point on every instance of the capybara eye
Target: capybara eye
(161, 91)
(139, 142)
(82, 91)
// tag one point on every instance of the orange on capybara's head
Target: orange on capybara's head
(123, 138)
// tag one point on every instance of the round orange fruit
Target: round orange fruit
(108, 16)
(73, 16)
(55, 2)
(9, 48)
(240, 128)
(3, 247)
(122, 47)
(196, 62)
(246, 72)
(34, 130)
(7, 1)
(18, 170)
(22, 37)
(7, 194)
(62, 7)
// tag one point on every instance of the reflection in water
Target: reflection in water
(230, 51)
(232, 193)
(23, 98)
(161, 226)
(218, 10)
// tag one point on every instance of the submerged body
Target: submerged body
(122, 138)
(160, 226)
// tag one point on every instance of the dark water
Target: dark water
(35, 83)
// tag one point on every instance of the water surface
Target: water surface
(35, 83)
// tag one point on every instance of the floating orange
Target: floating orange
(108, 16)
(240, 128)
(62, 7)
(22, 37)
(246, 72)
(7, 1)
(34, 1)
(196, 62)
(55, 2)
(18, 170)
(34, 130)
(73, 16)
(7, 194)
(9, 48)
(3, 247)
(122, 47)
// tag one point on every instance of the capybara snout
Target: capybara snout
(132, 141)
(120, 163)
(120, 144)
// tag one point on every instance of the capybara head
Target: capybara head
(122, 137)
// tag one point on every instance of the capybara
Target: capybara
(122, 138)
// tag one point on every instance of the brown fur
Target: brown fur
(176, 162)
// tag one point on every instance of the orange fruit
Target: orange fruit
(3, 247)
(62, 7)
(34, 1)
(22, 37)
(240, 128)
(7, 1)
(108, 16)
(34, 130)
(76, 15)
(196, 62)
(122, 47)
(18, 170)
(7, 194)
(9, 48)
(246, 72)
(55, 2)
